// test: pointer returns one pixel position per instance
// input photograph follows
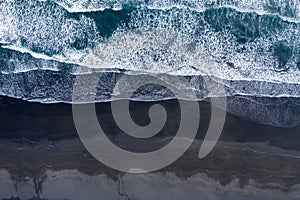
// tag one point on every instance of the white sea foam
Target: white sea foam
(287, 10)
(172, 41)
(17, 65)
(135, 49)
(25, 50)
(42, 26)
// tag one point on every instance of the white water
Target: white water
(288, 10)
(135, 49)
(171, 41)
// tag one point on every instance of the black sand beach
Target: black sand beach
(40, 139)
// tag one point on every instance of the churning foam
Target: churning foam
(174, 41)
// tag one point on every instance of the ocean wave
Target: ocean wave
(172, 41)
(23, 76)
(287, 10)
(272, 103)
(43, 39)
(43, 27)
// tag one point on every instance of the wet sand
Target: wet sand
(39, 144)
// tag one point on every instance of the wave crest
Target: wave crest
(288, 10)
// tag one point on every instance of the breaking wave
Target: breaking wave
(252, 48)
(289, 10)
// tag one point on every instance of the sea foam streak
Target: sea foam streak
(288, 10)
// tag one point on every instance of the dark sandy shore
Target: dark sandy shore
(35, 121)
(42, 157)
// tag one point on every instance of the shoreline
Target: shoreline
(230, 171)
(35, 121)
(40, 148)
